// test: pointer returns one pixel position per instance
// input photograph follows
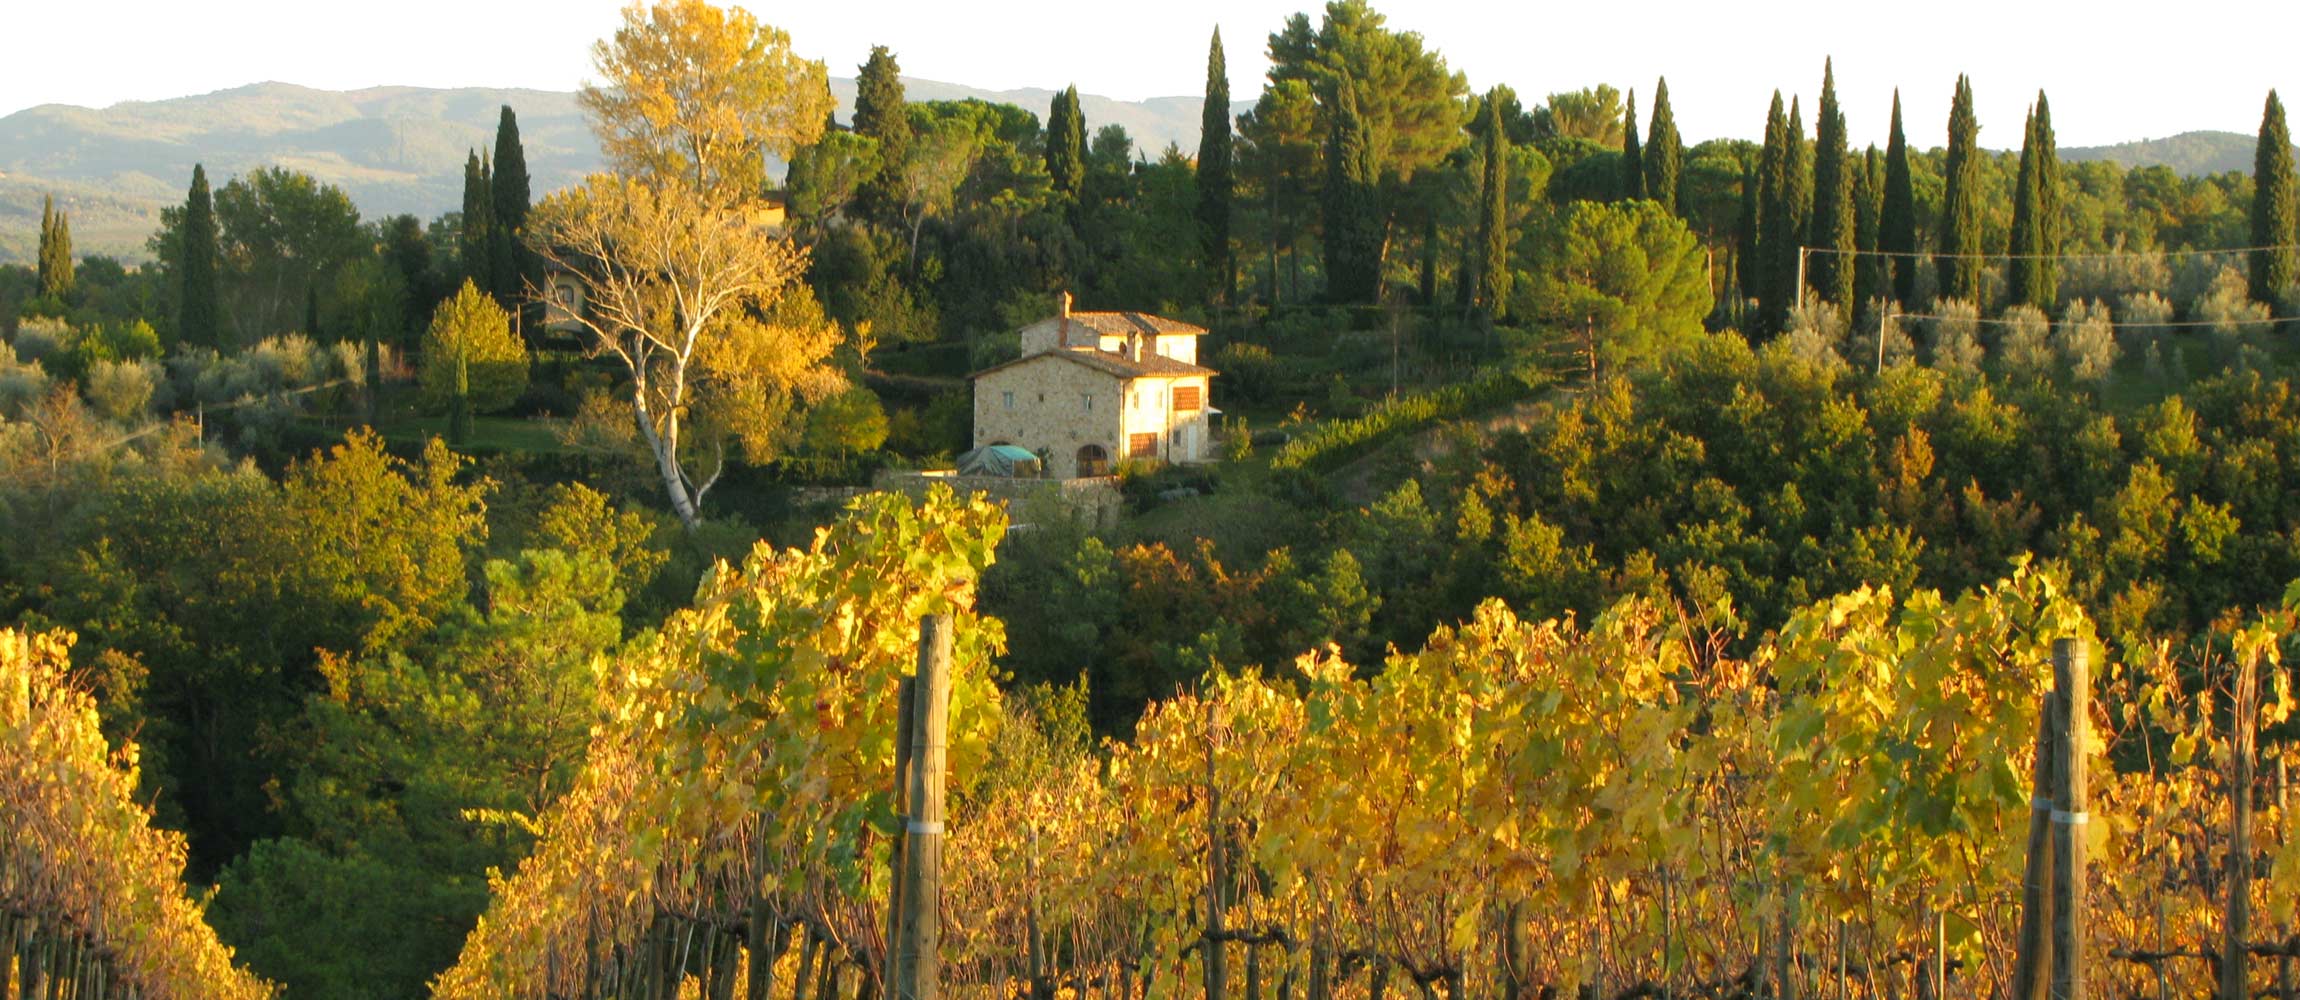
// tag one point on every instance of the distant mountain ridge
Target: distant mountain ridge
(2189, 154)
(393, 149)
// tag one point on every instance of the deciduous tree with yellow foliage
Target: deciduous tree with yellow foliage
(680, 275)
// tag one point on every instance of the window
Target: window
(1007, 398)
(1137, 399)
(1142, 446)
(1086, 399)
(566, 296)
(1174, 438)
(1186, 399)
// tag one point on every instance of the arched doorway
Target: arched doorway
(1093, 461)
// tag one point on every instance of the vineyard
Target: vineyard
(1622, 807)
(92, 899)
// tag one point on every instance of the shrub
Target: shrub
(2088, 340)
(1249, 371)
(471, 332)
(1817, 334)
(1956, 339)
(40, 337)
(2027, 346)
(2227, 305)
(2142, 319)
(21, 382)
(121, 390)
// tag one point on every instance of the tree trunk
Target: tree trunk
(2238, 925)
(906, 710)
(2072, 690)
(808, 949)
(1785, 945)
(769, 939)
(834, 968)
(2033, 954)
(918, 963)
(1429, 259)
(1212, 940)
(665, 446)
(1512, 964)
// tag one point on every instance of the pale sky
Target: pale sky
(2115, 70)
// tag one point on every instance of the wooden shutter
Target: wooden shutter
(1186, 399)
(1142, 446)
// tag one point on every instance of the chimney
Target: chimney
(1065, 318)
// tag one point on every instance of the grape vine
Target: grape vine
(92, 898)
(1619, 808)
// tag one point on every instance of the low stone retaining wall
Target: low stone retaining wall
(1094, 501)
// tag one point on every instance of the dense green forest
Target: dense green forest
(351, 530)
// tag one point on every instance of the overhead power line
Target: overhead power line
(2044, 256)
(2272, 320)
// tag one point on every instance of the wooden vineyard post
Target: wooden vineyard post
(918, 970)
(2238, 925)
(905, 728)
(2284, 931)
(2072, 698)
(2033, 954)
(1216, 973)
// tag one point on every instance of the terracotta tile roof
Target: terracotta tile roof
(1112, 363)
(1119, 324)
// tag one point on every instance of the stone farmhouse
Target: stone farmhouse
(1094, 388)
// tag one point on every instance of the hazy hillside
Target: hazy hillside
(395, 149)
(2189, 154)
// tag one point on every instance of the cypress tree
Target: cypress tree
(1632, 160)
(1872, 274)
(1770, 176)
(56, 274)
(196, 266)
(1214, 180)
(1786, 192)
(47, 241)
(2273, 207)
(882, 113)
(1352, 208)
(1745, 233)
(1960, 262)
(474, 244)
(1493, 215)
(2033, 273)
(1664, 151)
(1066, 144)
(509, 194)
(1897, 224)
(1832, 216)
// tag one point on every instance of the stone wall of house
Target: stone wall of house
(1051, 406)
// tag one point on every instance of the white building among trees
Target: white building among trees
(1095, 388)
